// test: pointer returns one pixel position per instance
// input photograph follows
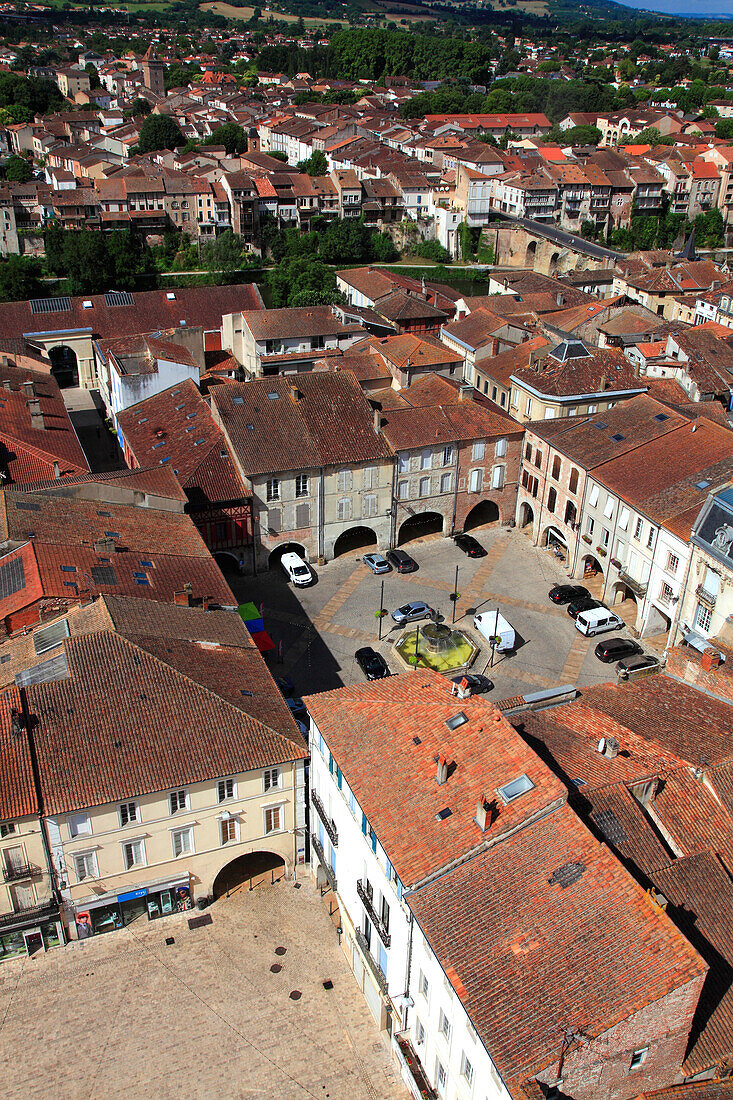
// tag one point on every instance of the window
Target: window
(573, 483)
(528, 406)
(424, 486)
(7, 829)
(638, 1058)
(301, 485)
(440, 1077)
(273, 489)
(556, 467)
(444, 1026)
(549, 413)
(178, 801)
(592, 408)
(228, 830)
(475, 481)
(605, 537)
(272, 778)
(273, 819)
(369, 506)
(589, 525)
(182, 841)
(673, 563)
(608, 507)
(665, 593)
(551, 499)
(538, 459)
(593, 497)
(478, 451)
(344, 508)
(426, 459)
(85, 865)
(623, 521)
(447, 456)
(402, 490)
(639, 527)
(371, 477)
(133, 854)
(650, 538)
(466, 1069)
(419, 1032)
(446, 483)
(344, 481)
(711, 584)
(703, 616)
(80, 825)
(404, 463)
(519, 786)
(528, 452)
(384, 914)
(225, 789)
(424, 986)
(128, 813)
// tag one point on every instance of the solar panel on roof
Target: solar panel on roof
(610, 826)
(119, 298)
(55, 668)
(12, 577)
(50, 305)
(27, 506)
(104, 574)
(566, 875)
(48, 637)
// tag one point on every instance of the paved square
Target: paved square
(126, 1015)
(320, 627)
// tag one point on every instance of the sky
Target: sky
(686, 7)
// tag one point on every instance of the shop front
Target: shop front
(112, 912)
(30, 931)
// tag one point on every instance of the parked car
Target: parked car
(285, 685)
(476, 682)
(411, 612)
(469, 545)
(568, 593)
(636, 664)
(377, 563)
(296, 569)
(401, 561)
(297, 707)
(586, 604)
(371, 663)
(616, 648)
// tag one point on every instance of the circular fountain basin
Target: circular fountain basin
(439, 647)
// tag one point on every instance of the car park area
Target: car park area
(318, 630)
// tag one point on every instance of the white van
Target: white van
(492, 624)
(297, 570)
(597, 621)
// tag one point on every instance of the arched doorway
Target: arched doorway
(273, 562)
(227, 562)
(625, 603)
(429, 523)
(248, 869)
(64, 366)
(554, 540)
(529, 255)
(554, 262)
(356, 538)
(526, 515)
(481, 515)
(592, 575)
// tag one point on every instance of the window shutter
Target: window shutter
(303, 515)
(274, 520)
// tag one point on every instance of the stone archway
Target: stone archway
(427, 523)
(554, 540)
(247, 869)
(64, 366)
(228, 563)
(273, 562)
(592, 575)
(530, 254)
(554, 263)
(355, 538)
(526, 515)
(482, 515)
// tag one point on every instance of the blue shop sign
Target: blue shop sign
(142, 893)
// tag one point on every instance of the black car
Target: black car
(469, 545)
(286, 685)
(637, 663)
(476, 682)
(568, 593)
(616, 648)
(586, 604)
(371, 663)
(401, 561)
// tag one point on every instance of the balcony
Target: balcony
(371, 961)
(705, 597)
(415, 1069)
(328, 871)
(633, 584)
(328, 824)
(18, 871)
(372, 913)
(47, 911)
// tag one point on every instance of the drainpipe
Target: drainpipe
(393, 505)
(678, 609)
(455, 488)
(610, 548)
(580, 517)
(539, 514)
(26, 720)
(321, 516)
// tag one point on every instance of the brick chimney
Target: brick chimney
(441, 774)
(466, 391)
(185, 597)
(29, 389)
(296, 395)
(37, 421)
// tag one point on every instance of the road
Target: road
(567, 240)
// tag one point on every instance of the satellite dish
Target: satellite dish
(602, 745)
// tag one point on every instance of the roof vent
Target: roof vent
(608, 747)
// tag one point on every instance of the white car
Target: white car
(377, 563)
(298, 571)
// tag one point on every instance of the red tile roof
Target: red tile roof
(28, 450)
(17, 789)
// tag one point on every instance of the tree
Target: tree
(18, 169)
(94, 81)
(315, 165)
(651, 136)
(710, 229)
(224, 256)
(433, 250)
(20, 279)
(159, 132)
(279, 156)
(231, 136)
(93, 262)
(724, 129)
(140, 107)
(12, 115)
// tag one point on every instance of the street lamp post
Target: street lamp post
(454, 596)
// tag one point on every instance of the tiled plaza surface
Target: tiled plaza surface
(205, 1018)
(320, 627)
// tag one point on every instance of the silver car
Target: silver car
(377, 563)
(411, 612)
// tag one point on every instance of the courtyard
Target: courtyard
(316, 630)
(233, 1009)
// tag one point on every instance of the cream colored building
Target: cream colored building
(705, 610)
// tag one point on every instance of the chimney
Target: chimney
(560, 299)
(37, 422)
(377, 419)
(7, 384)
(105, 545)
(603, 383)
(184, 598)
(465, 391)
(56, 470)
(481, 813)
(295, 394)
(608, 747)
(29, 389)
(442, 771)
(16, 722)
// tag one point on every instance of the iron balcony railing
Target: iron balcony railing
(371, 961)
(705, 597)
(415, 1068)
(372, 913)
(328, 824)
(328, 871)
(14, 871)
(634, 585)
(47, 911)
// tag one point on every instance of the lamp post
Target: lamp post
(454, 597)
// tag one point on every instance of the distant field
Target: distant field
(233, 12)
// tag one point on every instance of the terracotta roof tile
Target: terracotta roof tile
(17, 789)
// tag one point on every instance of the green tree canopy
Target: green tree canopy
(18, 169)
(20, 279)
(231, 136)
(140, 107)
(159, 132)
(315, 165)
